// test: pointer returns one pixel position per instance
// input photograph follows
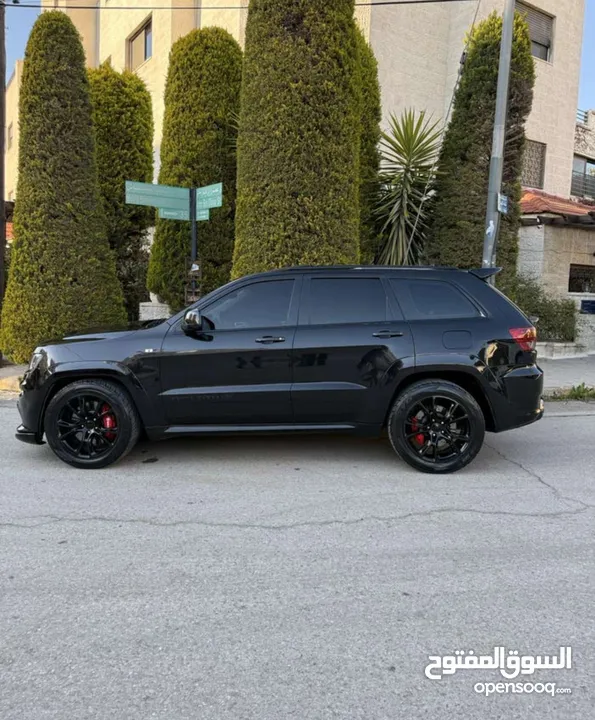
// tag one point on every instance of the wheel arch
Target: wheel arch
(62, 379)
(463, 379)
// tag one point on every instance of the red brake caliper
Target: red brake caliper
(420, 438)
(108, 421)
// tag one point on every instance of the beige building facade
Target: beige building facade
(11, 157)
(418, 48)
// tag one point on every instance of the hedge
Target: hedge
(299, 137)
(63, 275)
(371, 115)
(123, 120)
(199, 137)
(457, 224)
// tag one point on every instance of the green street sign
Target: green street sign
(210, 196)
(165, 196)
(172, 214)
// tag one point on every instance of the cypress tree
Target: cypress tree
(198, 149)
(299, 137)
(123, 120)
(371, 114)
(458, 215)
(62, 275)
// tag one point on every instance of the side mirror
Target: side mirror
(192, 322)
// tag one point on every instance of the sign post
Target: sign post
(175, 203)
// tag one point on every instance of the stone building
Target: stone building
(418, 47)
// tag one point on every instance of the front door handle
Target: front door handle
(388, 334)
(269, 340)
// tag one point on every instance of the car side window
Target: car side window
(258, 305)
(432, 300)
(347, 300)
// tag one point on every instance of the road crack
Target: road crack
(51, 520)
(552, 488)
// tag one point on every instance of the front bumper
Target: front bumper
(28, 436)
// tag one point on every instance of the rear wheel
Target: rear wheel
(436, 426)
(91, 423)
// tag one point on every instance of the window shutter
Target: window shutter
(541, 26)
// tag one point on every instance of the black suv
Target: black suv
(435, 356)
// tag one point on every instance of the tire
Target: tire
(107, 440)
(443, 439)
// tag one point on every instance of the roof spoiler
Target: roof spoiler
(486, 273)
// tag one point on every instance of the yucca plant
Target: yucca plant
(408, 159)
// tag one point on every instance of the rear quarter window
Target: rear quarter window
(433, 300)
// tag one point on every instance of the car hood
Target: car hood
(109, 333)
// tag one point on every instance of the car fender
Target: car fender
(59, 375)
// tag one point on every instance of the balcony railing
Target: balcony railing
(582, 117)
(583, 185)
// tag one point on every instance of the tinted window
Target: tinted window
(345, 300)
(260, 305)
(432, 299)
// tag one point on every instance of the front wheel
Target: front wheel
(436, 426)
(91, 423)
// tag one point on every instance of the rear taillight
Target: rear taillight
(525, 337)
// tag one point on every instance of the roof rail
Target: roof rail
(486, 273)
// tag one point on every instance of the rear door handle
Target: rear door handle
(269, 340)
(388, 334)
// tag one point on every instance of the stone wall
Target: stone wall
(546, 253)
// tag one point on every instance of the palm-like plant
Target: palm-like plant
(409, 152)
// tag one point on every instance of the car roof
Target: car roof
(311, 269)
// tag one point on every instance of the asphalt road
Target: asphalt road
(307, 578)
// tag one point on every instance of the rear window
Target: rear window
(433, 300)
(347, 300)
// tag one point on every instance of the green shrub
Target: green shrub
(63, 274)
(371, 114)
(299, 137)
(198, 149)
(457, 224)
(123, 120)
(558, 318)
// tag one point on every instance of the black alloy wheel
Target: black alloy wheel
(87, 426)
(436, 426)
(91, 423)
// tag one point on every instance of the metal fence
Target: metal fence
(583, 185)
(582, 116)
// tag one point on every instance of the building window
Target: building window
(541, 30)
(9, 136)
(140, 45)
(583, 177)
(533, 164)
(582, 279)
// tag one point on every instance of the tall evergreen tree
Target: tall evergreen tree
(63, 274)
(371, 115)
(198, 148)
(458, 214)
(299, 137)
(123, 120)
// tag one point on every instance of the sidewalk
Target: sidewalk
(10, 377)
(559, 374)
(565, 374)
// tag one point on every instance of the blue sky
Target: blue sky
(19, 21)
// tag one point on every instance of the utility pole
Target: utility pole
(497, 162)
(2, 141)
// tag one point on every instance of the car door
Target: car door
(350, 345)
(237, 371)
